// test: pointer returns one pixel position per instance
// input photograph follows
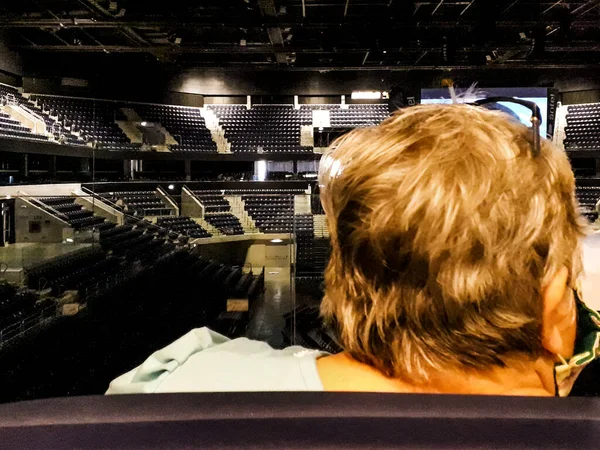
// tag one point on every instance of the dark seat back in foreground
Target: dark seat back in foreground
(301, 420)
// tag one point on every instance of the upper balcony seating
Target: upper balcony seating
(358, 116)
(53, 126)
(13, 128)
(264, 128)
(183, 225)
(186, 125)
(94, 120)
(583, 127)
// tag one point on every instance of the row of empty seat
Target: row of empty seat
(263, 128)
(186, 125)
(126, 309)
(74, 214)
(139, 203)
(183, 225)
(582, 131)
(312, 252)
(588, 196)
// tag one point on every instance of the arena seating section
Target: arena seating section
(271, 209)
(76, 215)
(264, 128)
(93, 120)
(183, 225)
(12, 129)
(146, 203)
(582, 131)
(272, 213)
(53, 126)
(310, 332)
(217, 212)
(312, 252)
(186, 125)
(587, 197)
(358, 116)
(131, 288)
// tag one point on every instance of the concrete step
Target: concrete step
(238, 208)
(320, 226)
(207, 226)
(307, 138)
(302, 204)
(216, 130)
(131, 131)
(131, 115)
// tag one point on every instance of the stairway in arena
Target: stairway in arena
(75, 215)
(320, 225)
(238, 208)
(216, 130)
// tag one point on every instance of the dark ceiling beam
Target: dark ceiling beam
(267, 49)
(267, 8)
(68, 23)
(98, 10)
(132, 35)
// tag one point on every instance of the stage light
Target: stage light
(171, 187)
(276, 241)
(366, 95)
(69, 240)
(144, 124)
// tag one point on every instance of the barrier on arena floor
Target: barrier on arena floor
(18, 329)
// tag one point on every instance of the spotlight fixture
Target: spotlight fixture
(171, 187)
(144, 124)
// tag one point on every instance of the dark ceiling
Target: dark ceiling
(309, 34)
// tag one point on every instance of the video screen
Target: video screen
(523, 114)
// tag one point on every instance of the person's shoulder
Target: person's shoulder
(203, 361)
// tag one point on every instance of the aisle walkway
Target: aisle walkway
(266, 323)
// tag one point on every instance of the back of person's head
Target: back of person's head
(444, 230)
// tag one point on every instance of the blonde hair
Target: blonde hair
(444, 228)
